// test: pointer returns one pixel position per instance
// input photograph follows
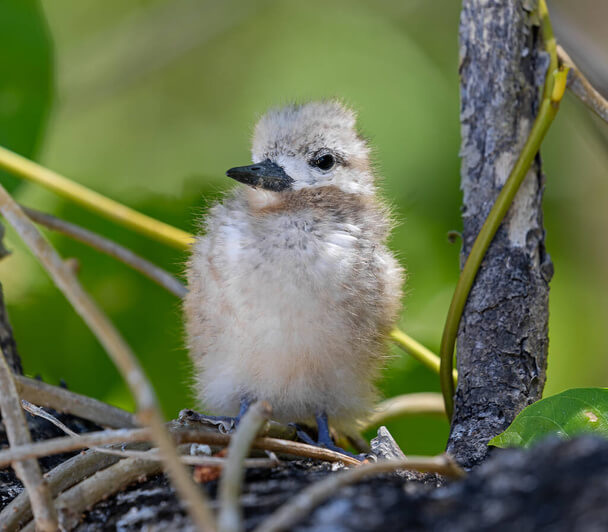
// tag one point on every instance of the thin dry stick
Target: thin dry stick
(73, 502)
(304, 502)
(40, 412)
(119, 351)
(28, 470)
(406, 404)
(583, 89)
(72, 443)
(58, 479)
(302, 449)
(230, 518)
(269, 444)
(105, 245)
(144, 455)
(63, 400)
(105, 437)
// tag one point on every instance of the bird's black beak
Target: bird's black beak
(266, 175)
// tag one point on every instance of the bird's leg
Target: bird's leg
(246, 402)
(324, 437)
(225, 424)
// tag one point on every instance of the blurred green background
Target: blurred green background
(149, 102)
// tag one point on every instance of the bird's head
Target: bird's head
(305, 146)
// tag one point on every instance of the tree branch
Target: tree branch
(502, 338)
(58, 479)
(76, 500)
(109, 247)
(582, 88)
(62, 400)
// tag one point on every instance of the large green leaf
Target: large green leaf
(573, 412)
(25, 78)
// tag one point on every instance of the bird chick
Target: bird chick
(292, 290)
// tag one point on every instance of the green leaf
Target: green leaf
(26, 78)
(573, 412)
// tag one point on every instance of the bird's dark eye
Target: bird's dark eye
(324, 162)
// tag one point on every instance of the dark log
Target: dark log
(502, 341)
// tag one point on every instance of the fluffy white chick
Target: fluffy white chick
(292, 289)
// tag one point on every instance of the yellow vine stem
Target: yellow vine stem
(113, 210)
(160, 231)
(555, 85)
(419, 352)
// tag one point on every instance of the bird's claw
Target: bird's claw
(224, 424)
(323, 443)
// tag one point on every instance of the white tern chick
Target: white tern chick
(292, 290)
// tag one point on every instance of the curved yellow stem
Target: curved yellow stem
(146, 225)
(419, 352)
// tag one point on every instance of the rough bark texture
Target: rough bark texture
(558, 486)
(502, 342)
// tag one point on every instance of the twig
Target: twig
(76, 500)
(63, 400)
(144, 455)
(119, 351)
(582, 87)
(105, 245)
(555, 84)
(302, 449)
(276, 445)
(269, 444)
(407, 404)
(70, 443)
(85, 464)
(304, 502)
(113, 210)
(230, 518)
(27, 470)
(58, 479)
(181, 435)
(40, 412)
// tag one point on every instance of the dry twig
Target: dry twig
(105, 245)
(27, 470)
(72, 443)
(105, 437)
(304, 502)
(152, 454)
(62, 400)
(302, 449)
(230, 518)
(62, 477)
(73, 502)
(583, 89)
(119, 351)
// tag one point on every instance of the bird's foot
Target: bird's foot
(225, 424)
(324, 441)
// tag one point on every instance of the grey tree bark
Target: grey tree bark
(502, 342)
